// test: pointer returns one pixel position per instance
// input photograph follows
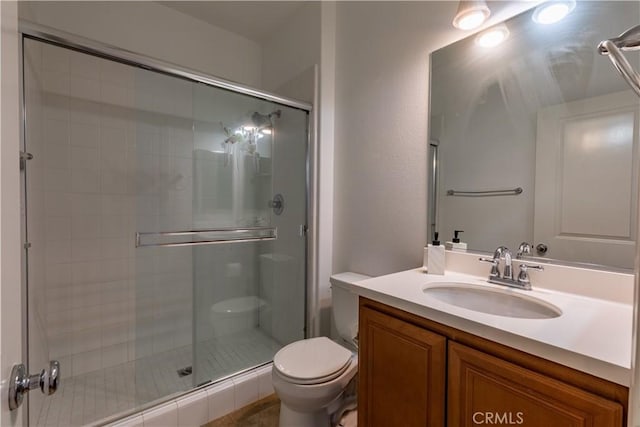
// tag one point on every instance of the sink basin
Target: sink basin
(492, 301)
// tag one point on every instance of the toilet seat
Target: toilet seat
(313, 381)
(312, 361)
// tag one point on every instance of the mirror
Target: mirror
(535, 139)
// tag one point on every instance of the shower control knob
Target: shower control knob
(277, 204)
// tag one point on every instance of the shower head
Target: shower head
(264, 120)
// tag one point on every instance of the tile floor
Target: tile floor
(266, 413)
(263, 413)
(90, 397)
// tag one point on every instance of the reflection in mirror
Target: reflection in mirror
(544, 112)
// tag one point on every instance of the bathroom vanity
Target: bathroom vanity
(426, 362)
(416, 372)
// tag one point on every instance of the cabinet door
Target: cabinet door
(402, 373)
(485, 390)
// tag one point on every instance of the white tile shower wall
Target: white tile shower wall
(112, 155)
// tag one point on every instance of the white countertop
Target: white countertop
(592, 335)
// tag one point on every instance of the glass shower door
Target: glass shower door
(249, 173)
(160, 256)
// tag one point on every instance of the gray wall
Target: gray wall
(382, 84)
(382, 93)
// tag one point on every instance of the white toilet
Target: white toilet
(311, 376)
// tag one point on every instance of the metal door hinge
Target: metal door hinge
(27, 245)
(24, 156)
(303, 230)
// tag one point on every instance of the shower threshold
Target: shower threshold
(88, 398)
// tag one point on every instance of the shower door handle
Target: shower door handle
(21, 382)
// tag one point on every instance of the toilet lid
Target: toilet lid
(311, 359)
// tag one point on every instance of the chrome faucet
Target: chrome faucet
(523, 249)
(507, 273)
(501, 252)
(495, 262)
(506, 279)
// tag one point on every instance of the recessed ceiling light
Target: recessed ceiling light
(493, 36)
(471, 14)
(553, 11)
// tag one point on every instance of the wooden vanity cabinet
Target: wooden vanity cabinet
(416, 372)
(483, 389)
(403, 380)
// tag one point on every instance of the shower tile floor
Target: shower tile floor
(88, 398)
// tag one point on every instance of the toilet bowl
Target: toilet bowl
(314, 378)
(235, 315)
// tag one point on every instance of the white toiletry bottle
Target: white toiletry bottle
(455, 243)
(425, 258)
(435, 263)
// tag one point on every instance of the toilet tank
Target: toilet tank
(345, 305)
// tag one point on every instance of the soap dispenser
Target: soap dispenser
(455, 243)
(435, 261)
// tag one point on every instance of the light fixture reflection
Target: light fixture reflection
(266, 131)
(471, 14)
(493, 36)
(553, 11)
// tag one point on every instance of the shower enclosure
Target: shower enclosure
(164, 226)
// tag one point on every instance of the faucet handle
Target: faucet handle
(523, 276)
(494, 266)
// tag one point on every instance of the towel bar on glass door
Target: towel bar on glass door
(206, 237)
(485, 193)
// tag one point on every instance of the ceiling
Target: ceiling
(255, 20)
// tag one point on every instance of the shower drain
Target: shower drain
(183, 372)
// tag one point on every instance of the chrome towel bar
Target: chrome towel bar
(629, 40)
(485, 193)
(206, 237)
